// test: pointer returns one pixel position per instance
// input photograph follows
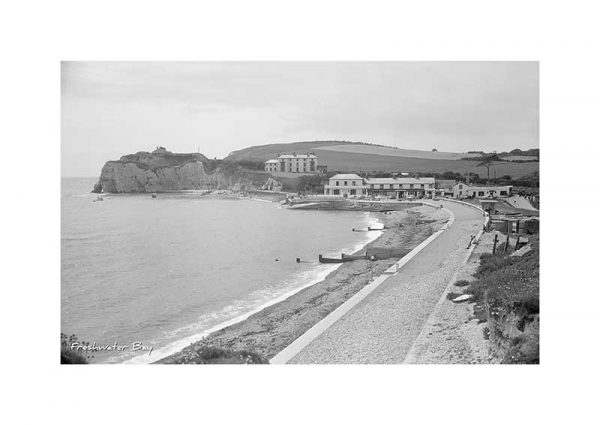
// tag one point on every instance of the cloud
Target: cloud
(223, 106)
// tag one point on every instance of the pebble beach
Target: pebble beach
(275, 327)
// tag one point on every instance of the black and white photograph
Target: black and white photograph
(300, 212)
(317, 212)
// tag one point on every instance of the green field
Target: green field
(346, 156)
(392, 151)
(344, 161)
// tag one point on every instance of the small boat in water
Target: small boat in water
(154, 194)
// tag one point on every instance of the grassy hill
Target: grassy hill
(264, 152)
(348, 156)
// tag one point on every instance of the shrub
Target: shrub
(506, 295)
(489, 263)
(215, 355)
(68, 356)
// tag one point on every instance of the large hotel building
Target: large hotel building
(303, 163)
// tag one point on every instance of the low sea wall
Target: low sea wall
(300, 343)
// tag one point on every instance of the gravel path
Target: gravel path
(382, 327)
(453, 335)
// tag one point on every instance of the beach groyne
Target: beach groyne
(380, 328)
(271, 329)
(305, 339)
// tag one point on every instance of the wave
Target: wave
(232, 314)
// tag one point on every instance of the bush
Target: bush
(489, 263)
(215, 355)
(506, 295)
(68, 356)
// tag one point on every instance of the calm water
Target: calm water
(166, 271)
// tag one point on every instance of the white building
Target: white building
(301, 163)
(444, 187)
(463, 190)
(271, 166)
(402, 187)
(346, 185)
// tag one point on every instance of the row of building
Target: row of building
(350, 185)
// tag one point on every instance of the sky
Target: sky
(109, 109)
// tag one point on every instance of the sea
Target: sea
(153, 275)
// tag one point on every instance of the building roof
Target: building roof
(271, 161)
(346, 177)
(402, 180)
(483, 187)
(444, 184)
(307, 155)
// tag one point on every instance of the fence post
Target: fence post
(517, 243)
(495, 243)
(507, 241)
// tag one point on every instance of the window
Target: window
(327, 191)
(337, 183)
(412, 186)
(352, 191)
(345, 182)
(353, 182)
(460, 186)
(503, 193)
(336, 191)
(480, 193)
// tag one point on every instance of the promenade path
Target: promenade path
(382, 327)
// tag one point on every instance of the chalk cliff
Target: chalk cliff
(162, 171)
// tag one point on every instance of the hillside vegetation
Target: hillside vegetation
(264, 152)
(363, 157)
(506, 294)
(393, 151)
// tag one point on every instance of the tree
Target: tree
(488, 161)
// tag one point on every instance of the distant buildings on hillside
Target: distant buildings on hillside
(160, 150)
(294, 163)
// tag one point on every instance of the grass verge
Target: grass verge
(506, 295)
(215, 355)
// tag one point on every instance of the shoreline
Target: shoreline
(177, 346)
(269, 329)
